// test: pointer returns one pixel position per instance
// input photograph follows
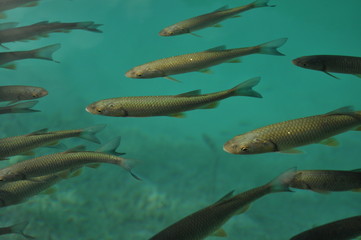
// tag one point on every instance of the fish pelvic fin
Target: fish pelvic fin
(245, 88)
(89, 26)
(89, 133)
(282, 182)
(46, 52)
(19, 229)
(24, 107)
(271, 47)
(262, 3)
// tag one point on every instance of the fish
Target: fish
(345, 229)
(286, 136)
(331, 63)
(209, 220)
(6, 58)
(10, 33)
(169, 105)
(210, 19)
(23, 107)
(24, 144)
(200, 61)
(11, 4)
(70, 159)
(16, 229)
(15, 93)
(325, 181)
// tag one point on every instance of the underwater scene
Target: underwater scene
(180, 120)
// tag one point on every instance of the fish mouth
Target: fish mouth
(225, 148)
(88, 109)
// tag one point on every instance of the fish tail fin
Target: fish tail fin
(245, 88)
(89, 26)
(46, 52)
(128, 165)
(282, 182)
(24, 107)
(262, 3)
(271, 47)
(19, 229)
(89, 133)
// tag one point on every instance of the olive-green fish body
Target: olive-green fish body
(327, 180)
(11, 4)
(146, 106)
(345, 229)
(17, 93)
(286, 135)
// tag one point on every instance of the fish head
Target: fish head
(310, 62)
(106, 108)
(144, 71)
(38, 92)
(244, 145)
(172, 31)
(9, 176)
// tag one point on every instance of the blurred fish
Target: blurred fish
(11, 4)
(208, 221)
(16, 229)
(345, 229)
(57, 162)
(40, 53)
(284, 136)
(17, 93)
(214, 167)
(200, 61)
(10, 33)
(209, 19)
(23, 144)
(324, 181)
(24, 107)
(331, 63)
(171, 105)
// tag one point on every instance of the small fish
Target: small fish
(17, 93)
(10, 33)
(23, 144)
(331, 63)
(200, 61)
(57, 162)
(24, 107)
(208, 221)
(41, 53)
(11, 4)
(209, 19)
(285, 136)
(16, 229)
(324, 181)
(345, 229)
(171, 105)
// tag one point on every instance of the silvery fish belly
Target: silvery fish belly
(287, 135)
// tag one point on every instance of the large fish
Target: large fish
(200, 61)
(41, 53)
(11, 4)
(345, 229)
(331, 63)
(209, 19)
(24, 107)
(16, 229)
(10, 33)
(285, 136)
(324, 181)
(17, 93)
(23, 144)
(71, 159)
(208, 221)
(173, 105)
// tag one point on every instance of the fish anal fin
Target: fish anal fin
(210, 105)
(236, 16)
(234, 60)
(243, 209)
(171, 78)
(196, 35)
(217, 25)
(219, 233)
(191, 93)
(331, 75)
(218, 48)
(177, 115)
(205, 70)
(291, 151)
(332, 142)
(93, 165)
(49, 191)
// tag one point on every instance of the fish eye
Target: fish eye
(99, 110)
(139, 74)
(244, 149)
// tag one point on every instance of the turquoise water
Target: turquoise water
(181, 173)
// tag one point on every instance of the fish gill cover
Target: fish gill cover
(180, 161)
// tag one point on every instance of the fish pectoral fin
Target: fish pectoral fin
(331, 75)
(225, 7)
(177, 115)
(357, 75)
(38, 132)
(49, 191)
(236, 16)
(11, 66)
(217, 25)
(332, 142)
(357, 129)
(243, 209)
(234, 60)
(218, 48)
(206, 70)
(32, 4)
(210, 105)
(196, 35)
(79, 148)
(219, 233)
(171, 78)
(93, 165)
(191, 93)
(292, 151)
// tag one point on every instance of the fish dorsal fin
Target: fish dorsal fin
(219, 233)
(218, 48)
(110, 147)
(79, 148)
(38, 132)
(8, 25)
(225, 7)
(342, 110)
(225, 197)
(42, 22)
(191, 93)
